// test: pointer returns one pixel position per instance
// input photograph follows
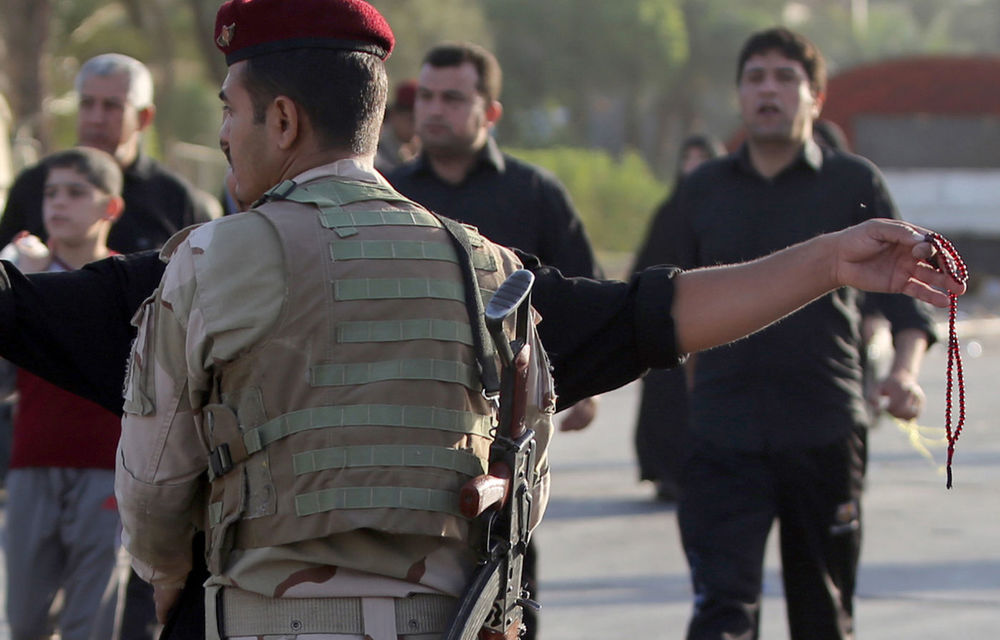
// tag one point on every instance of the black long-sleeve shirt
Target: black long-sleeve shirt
(797, 383)
(511, 202)
(73, 328)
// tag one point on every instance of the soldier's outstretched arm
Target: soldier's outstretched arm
(716, 305)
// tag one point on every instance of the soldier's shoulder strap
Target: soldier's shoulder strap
(474, 305)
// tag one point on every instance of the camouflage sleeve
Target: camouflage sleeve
(161, 458)
(213, 303)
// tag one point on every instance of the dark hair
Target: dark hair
(793, 46)
(98, 167)
(709, 144)
(712, 147)
(454, 54)
(342, 92)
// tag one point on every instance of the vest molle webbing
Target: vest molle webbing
(363, 407)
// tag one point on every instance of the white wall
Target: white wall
(948, 200)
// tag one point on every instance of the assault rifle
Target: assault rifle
(502, 498)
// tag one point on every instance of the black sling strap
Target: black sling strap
(474, 305)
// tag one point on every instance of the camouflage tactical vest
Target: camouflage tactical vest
(363, 407)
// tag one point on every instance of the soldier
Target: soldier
(319, 349)
(604, 333)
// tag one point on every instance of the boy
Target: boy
(62, 519)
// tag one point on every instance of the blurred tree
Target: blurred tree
(418, 26)
(629, 73)
(587, 55)
(26, 29)
(204, 31)
(666, 61)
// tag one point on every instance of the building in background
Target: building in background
(932, 125)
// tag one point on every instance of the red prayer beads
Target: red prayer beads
(951, 263)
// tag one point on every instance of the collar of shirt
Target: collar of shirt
(350, 168)
(141, 168)
(810, 155)
(489, 158)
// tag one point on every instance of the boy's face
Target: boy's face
(73, 210)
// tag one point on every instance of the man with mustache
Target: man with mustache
(462, 173)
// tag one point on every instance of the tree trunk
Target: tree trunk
(204, 21)
(151, 16)
(26, 32)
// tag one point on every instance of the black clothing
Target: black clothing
(657, 246)
(517, 205)
(663, 422)
(158, 204)
(731, 498)
(74, 328)
(662, 430)
(512, 203)
(777, 418)
(753, 394)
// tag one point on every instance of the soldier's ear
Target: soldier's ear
(284, 119)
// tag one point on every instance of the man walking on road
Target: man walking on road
(779, 419)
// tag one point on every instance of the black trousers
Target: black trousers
(729, 502)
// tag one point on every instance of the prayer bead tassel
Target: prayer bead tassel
(951, 263)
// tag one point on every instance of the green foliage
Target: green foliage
(576, 52)
(632, 73)
(418, 26)
(614, 197)
(196, 111)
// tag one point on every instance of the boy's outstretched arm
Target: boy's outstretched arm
(716, 305)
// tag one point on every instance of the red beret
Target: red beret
(248, 28)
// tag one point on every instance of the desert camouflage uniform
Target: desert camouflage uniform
(201, 319)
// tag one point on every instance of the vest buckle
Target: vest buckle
(220, 460)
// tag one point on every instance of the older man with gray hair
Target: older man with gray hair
(115, 95)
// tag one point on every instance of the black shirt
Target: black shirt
(73, 328)
(797, 383)
(513, 203)
(158, 204)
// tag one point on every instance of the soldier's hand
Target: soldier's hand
(165, 598)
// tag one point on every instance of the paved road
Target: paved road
(611, 565)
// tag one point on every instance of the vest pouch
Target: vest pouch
(228, 495)
(140, 394)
